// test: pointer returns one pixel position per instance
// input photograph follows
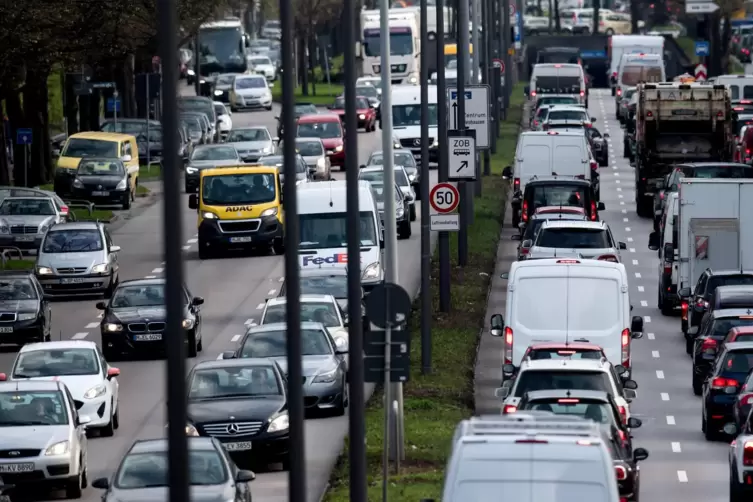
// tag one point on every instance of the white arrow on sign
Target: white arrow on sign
(703, 7)
(462, 157)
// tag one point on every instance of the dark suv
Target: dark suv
(696, 303)
(559, 191)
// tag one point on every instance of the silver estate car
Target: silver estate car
(78, 259)
(25, 220)
(43, 436)
(375, 174)
(591, 239)
(252, 143)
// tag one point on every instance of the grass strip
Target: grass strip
(152, 172)
(325, 94)
(435, 403)
(82, 214)
(18, 264)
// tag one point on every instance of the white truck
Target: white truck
(716, 227)
(405, 44)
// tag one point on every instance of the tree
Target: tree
(311, 16)
(597, 14)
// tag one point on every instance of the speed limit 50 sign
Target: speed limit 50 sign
(444, 199)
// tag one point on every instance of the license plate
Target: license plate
(25, 238)
(6, 329)
(17, 467)
(240, 446)
(71, 280)
(149, 337)
(240, 239)
(100, 194)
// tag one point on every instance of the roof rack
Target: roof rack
(529, 422)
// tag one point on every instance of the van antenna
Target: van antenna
(331, 203)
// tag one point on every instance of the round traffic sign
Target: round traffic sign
(498, 63)
(444, 197)
(513, 9)
(388, 304)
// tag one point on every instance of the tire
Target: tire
(625, 149)
(697, 386)
(74, 488)
(614, 91)
(116, 419)
(127, 201)
(109, 429)
(404, 232)
(278, 246)
(286, 463)
(643, 209)
(412, 212)
(204, 252)
(268, 108)
(340, 408)
(192, 347)
(659, 299)
(709, 433)
(609, 32)
(110, 288)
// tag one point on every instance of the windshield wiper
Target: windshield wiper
(14, 423)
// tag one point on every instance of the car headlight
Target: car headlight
(60, 448)
(266, 150)
(191, 72)
(188, 323)
(328, 377)
(272, 211)
(372, 271)
(279, 424)
(218, 93)
(319, 163)
(362, 117)
(95, 392)
(396, 145)
(44, 271)
(339, 148)
(77, 183)
(191, 430)
(411, 177)
(191, 170)
(399, 212)
(113, 327)
(4, 229)
(121, 186)
(209, 216)
(413, 80)
(44, 228)
(27, 316)
(100, 269)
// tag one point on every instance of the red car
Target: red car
(328, 128)
(366, 114)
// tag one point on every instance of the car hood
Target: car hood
(312, 365)
(312, 160)
(330, 143)
(214, 493)
(66, 260)
(251, 145)
(264, 67)
(213, 410)
(413, 131)
(132, 314)
(29, 220)
(203, 164)
(19, 305)
(33, 437)
(77, 384)
(257, 92)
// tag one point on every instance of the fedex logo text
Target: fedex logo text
(328, 260)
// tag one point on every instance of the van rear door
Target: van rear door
(571, 155)
(535, 158)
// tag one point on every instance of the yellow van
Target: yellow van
(239, 207)
(451, 52)
(101, 145)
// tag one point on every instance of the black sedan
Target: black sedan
(599, 146)
(244, 404)
(134, 319)
(626, 469)
(103, 181)
(24, 313)
(721, 388)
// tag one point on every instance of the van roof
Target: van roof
(591, 225)
(100, 135)
(331, 197)
(318, 118)
(543, 134)
(558, 262)
(410, 94)
(245, 169)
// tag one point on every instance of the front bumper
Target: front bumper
(98, 410)
(266, 447)
(25, 242)
(336, 158)
(102, 197)
(719, 408)
(50, 472)
(20, 332)
(252, 102)
(322, 396)
(123, 342)
(211, 234)
(88, 284)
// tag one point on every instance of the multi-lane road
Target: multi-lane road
(682, 464)
(235, 289)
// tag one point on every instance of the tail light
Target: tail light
(748, 453)
(509, 408)
(64, 210)
(661, 196)
(524, 250)
(601, 23)
(582, 93)
(623, 436)
(684, 310)
(594, 215)
(533, 94)
(516, 184)
(625, 341)
(568, 261)
(667, 268)
(709, 345)
(594, 165)
(747, 151)
(535, 123)
(609, 257)
(619, 92)
(720, 114)
(649, 114)
(525, 211)
(507, 351)
(614, 73)
(623, 415)
(721, 383)
(747, 399)
(620, 472)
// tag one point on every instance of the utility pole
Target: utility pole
(444, 237)
(466, 201)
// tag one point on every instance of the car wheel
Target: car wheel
(109, 429)
(204, 252)
(192, 348)
(73, 488)
(116, 419)
(127, 201)
(697, 385)
(340, 407)
(200, 344)
(405, 231)
(286, 463)
(110, 287)
(708, 431)
(412, 212)
(279, 246)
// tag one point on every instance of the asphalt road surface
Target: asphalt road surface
(682, 464)
(235, 289)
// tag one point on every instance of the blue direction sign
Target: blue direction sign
(454, 95)
(23, 136)
(113, 104)
(702, 48)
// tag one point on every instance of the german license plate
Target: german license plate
(6, 329)
(239, 446)
(25, 238)
(100, 194)
(17, 467)
(240, 239)
(71, 280)
(149, 337)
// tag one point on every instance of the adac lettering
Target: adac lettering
(234, 209)
(335, 259)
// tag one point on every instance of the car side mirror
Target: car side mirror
(126, 158)
(601, 206)
(346, 321)
(636, 324)
(669, 252)
(634, 423)
(653, 241)
(497, 323)
(526, 243)
(620, 369)
(730, 429)
(606, 135)
(101, 483)
(112, 373)
(640, 454)
(114, 249)
(502, 392)
(593, 119)
(101, 306)
(508, 370)
(193, 201)
(622, 245)
(84, 419)
(693, 331)
(629, 395)
(362, 166)
(3, 377)
(630, 384)
(342, 349)
(507, 172)
(277, 117)
(197, 301)
(684, 293)
(228, 354)
(244, 476)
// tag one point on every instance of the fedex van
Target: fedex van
(567, 300)
(323, 225)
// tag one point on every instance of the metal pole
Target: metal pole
(357, 399)
(478, 49)
(444, 237)
(115, 107)
(26, 165)
(197, 66)
(148, 119)
(506, 54)
(297, 477)
(487, 39)
(176, 348)
(424, 190)
(463, 68)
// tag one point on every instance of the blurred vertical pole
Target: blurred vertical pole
(424, 191)
(444, 159)
(357, 411)
(465, 206)
(196, 65)
(297, 476)
(506, 47)
(176, 348)
(486, 68)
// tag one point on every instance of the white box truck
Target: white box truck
(716, 226)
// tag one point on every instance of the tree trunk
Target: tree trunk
(715, 61)
(303, 64)
(4, 160)
(17, 120)
(726, 36)
(71, 107)
(39, 168)
(635, 13)
(557, 24)
(597, 6)
(129, 91)
(312, 64)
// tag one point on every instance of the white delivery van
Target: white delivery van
(529, 456)
(638, 68)
(323, 227)
(630, 44)
(665, 241)
(567, 300)
(558, 78)
(740, 86)
(406, 120)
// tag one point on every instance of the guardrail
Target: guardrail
(79, 204)
(8, 250)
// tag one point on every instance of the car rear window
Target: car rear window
(556, 195)
(738, 361)
(729, 171)
(744, 338)
(567, 115)
(532, 380)
(728, 280)
(590, 409)
(720, 327)
(579, 238)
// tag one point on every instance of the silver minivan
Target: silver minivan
(591, 239)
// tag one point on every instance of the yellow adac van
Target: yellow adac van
(239, 207)
(101, 145)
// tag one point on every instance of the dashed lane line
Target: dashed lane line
(676, 448)
(644, 303)
(641, 289)
(92, 325)
(158, 270)
(651, 336)
(664, 396)
(235, 338)
(260, 306)
(655, 354)
(80, 336)
(272, 292)
(682, 476)
(150, 277)
(660, 374)
(670, 420)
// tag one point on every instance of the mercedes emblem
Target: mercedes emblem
(232, 429)
(416, 142)
(99, 187)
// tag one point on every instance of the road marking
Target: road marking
(249, 321)
(186, 248)
(619, 190)
(281, 279)
(617, 181)
(260, 306)
(641, 289)
(632, 250)
(637, 275)
(635, 262)
(682, 476)
(625, 220)
(158, 270)
(670, 420)
(660, 374)
(235, 338)
(272, 291)
(644, 303)
(622, 203)
(630, 239)
(192, 241)
(150, 277)
(676, 447)
(624, 211)
(650, 336)
(614, 167)
(616, 174)
(627, 229)
(646, 318)
(664, 396)
(80, 336)
(195, 235)
(92, 325)
(655, 354)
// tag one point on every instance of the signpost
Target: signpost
(702, 48)
(700, 73)
(444, 199)
(24, 137)
(700, 7)
(498, 63)
(462, 151)
(387, 307)
(477, 114)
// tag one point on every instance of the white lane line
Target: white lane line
(676, 448)
(617, 181)
(100, 315)
(650, 336)
(192, 241)
(260, 306)
(622, 203)
(670, 420)
(614, 167)
(92, 325)
(635, 262)
(186, 248)
(660, 374)
(625, 220)
(627, 229)
(616, 174)
(630, 239)
(158, 270)
(80, 336)
(682, 476)
(632, 250)
(235, 338)
(641, 289)
(644, 303)
(272, 291)
(624, 211)
(637, 275)
(248, 321)
(655, 354)
(664, 396)
(619, 190)
(150, 277)
(646, 318)
(281, 279)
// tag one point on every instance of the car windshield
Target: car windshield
(274, 344)
(561, 380)
(220, 109)
(599, 412)
(234, 381)
(581, 238)
(27, 207)
(250, 83)
(19, 408)
(305, 109)
(379, 191)
(558, 100)
(410, 115)
(257, 60)
(238, 135)
(728, 171)
(575, 115)
(565, 354)
(72, 241)
(378, 177)
(192, 124)
(80, 147)
(150, 470)
(214, 152)
(148, 295)
(720, 327)
(310, 148)
(238, 189)
(727, 280)
(324, 130)
(553, 195)
(404, 159)
(335, 285)
(133, 128)
(367, 91)
(44, 363)
(14, 289)
(323, 312)
(329, 230)
(100, 168)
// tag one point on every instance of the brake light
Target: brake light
(747, 399)
(619, 92)
(614, 73)
(587, 125)
(533, 94)
(621, 472)
(720, 114)
(667, 268)
(64, 209)
(746, 51)
(565, 352)
(625, 342)
(747, 151)
(525, 211)
(661, 196)
(684, 310)
(552, 133)
(649, 114)
(721, 382)
(623, 436)
(516, 184)
(535, 123)
(594, 164)
(709, 344)
(568, 261)
(594, 215)
(748, 453)
(509, 408)
(609, 257)
(507, 351)
(558, 66)
(582, 93)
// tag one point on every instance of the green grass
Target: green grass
(435, 403)
(140, 190)
(18, 264)
(96, 215)
(150, 173)
(325, 94)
